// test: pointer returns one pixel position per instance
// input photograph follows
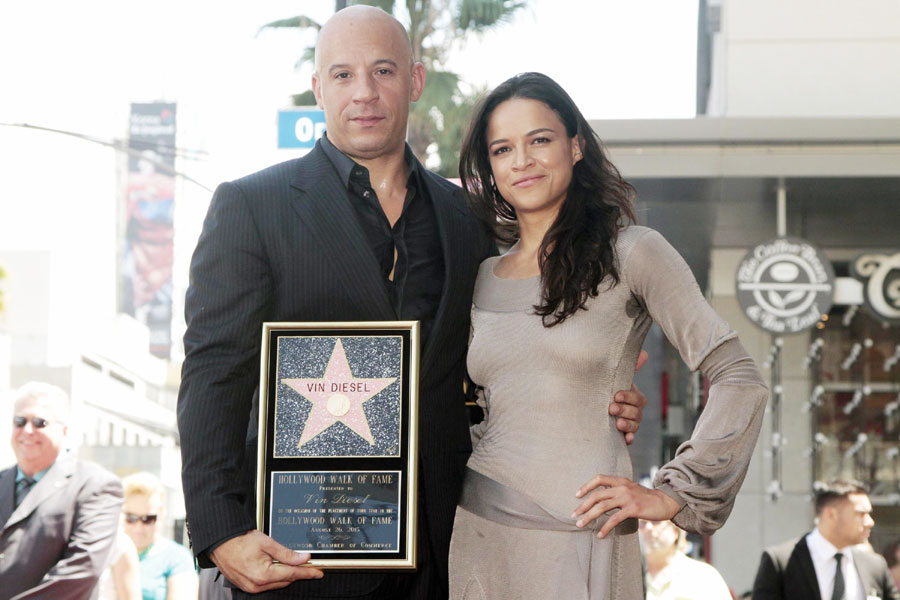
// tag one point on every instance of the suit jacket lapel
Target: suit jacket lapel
(7, 494)
(51, 483)
(808, 571)
(451, 224)
(867, 576)
(321, 202)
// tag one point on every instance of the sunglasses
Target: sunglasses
(37, 422)
(145, 519)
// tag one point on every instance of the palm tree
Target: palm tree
(437, 121)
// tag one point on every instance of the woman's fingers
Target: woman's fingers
(598, 480)
(595, 510)
(612, 493)
(631, 500)
(613, 520)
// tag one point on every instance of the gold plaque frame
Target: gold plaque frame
(338, 442)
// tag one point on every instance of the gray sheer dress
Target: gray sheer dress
(547, 430)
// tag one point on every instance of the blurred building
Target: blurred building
(798, 133)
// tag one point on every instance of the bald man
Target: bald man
(356, 230)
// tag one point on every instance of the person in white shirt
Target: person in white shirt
(672, 574)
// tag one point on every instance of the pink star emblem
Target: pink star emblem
(337, 396)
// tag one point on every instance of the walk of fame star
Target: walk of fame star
(337, 396)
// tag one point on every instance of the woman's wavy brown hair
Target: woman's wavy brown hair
(577, 252)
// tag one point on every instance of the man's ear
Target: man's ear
(418, 81)
(317, 92)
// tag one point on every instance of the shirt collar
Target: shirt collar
(820, 547)
(346, 165)
(36, 477)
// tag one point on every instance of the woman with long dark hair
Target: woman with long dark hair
(548, 506)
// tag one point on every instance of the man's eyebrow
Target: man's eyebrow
(388, 61)
(379, 61)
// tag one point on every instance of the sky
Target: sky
(77, 66)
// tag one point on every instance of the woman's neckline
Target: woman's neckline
(510, 278)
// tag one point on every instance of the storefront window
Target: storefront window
(855, 396)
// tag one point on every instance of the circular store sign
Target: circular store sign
(880, 274)
(785, 285)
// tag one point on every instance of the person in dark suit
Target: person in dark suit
(829, 562)
(356, 230)
(60, 515)
(891, 554)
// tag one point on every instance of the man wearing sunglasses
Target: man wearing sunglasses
(59, 514)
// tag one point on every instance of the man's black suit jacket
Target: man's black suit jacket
(786, 572)
(284, 244)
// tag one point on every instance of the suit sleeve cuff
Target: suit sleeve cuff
(204, 557)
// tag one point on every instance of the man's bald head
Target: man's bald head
(348, 21)
(365, 79)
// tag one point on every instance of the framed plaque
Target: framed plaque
(338, 455)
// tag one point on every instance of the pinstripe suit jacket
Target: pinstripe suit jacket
(284, 244)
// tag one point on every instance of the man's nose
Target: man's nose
(366, 90)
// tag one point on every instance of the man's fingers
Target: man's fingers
(289, 573)
(642, 358)
(275, 576)
(247, 562)
(289, 566)
(627, 421)
(283, 554)
(253, 587)
(633, 398)
(629, 413)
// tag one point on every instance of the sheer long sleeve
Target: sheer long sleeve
(707, 471)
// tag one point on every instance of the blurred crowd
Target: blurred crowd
(73, 530)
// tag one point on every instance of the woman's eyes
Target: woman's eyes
(536, 141)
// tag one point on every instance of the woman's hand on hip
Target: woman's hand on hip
(605, 493)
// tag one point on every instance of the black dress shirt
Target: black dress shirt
(418, 273)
